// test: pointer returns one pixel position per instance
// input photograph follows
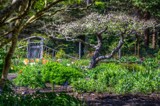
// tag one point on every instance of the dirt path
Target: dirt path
(98, 99)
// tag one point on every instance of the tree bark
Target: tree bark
(97, 52)
(146, 38)
(96, 57)
(7, 61)
(154, 39)
(137, 46)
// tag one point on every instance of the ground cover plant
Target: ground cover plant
(116, 78)
(38, 99)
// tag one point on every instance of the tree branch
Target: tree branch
(42, 12)
(72, 40)
(25, 12)
(9, 10)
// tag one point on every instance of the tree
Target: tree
(112, 24)
(15, 16)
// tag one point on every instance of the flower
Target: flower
(37, 60)
(20, 71)
(58, 60)
(32, 63)
(12, 68)
(31, 60)
(44, 61)
(25, 61)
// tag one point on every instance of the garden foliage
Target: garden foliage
(37, 75)
(116, 78)
(56, 73)
(40, 99)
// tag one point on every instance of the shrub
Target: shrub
(56, 73)
(29, 76)
(60, 54)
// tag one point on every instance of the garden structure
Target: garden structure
(36, 48)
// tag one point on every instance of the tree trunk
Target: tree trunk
(137, 46)
(154, 40)
(146, 38)
(120, 53)
(7, 61)
(96, 58)
(97, 51)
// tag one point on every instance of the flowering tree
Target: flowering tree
(118, 24)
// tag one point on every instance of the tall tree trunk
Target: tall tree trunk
(154, 39)
(146, 38)
(158, 41)
(137, 46)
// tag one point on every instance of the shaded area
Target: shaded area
(126, 100)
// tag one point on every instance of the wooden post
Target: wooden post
(41, 50)
(28, 50)
(52, 53)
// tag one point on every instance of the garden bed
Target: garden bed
(97, 99)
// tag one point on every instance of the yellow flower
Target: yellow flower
(37, 60)
(25, 61)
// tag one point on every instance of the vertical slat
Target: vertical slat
(41, 43)
(28, 48)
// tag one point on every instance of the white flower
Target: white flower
(32, 64)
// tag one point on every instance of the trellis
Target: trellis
(35, 47)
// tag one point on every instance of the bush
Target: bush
(30, 76)
(56, 73)
(60, 54)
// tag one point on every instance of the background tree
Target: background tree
(110, 24)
